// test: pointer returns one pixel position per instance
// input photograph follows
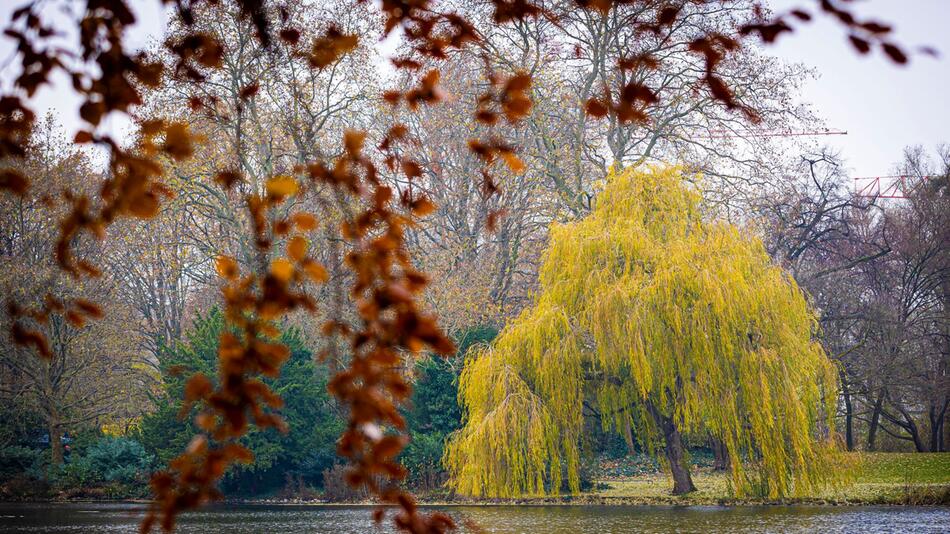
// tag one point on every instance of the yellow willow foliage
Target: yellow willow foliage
(645, 301)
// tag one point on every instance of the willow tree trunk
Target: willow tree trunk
(675, 452)
(720, 455)
(628, 436)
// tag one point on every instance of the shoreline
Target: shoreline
(479, 504)
(566, 502)
(878, 479)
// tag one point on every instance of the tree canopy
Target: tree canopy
(649, 312)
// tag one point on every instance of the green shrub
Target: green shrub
(120, 459)
(23, 473)
(17, 460)
(111, 460)
(423, 459)
(75, 473)
(312, 416)
(434, 412)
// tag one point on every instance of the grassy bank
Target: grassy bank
(878, 478)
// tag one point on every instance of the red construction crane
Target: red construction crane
(729, 134)
(885, 186)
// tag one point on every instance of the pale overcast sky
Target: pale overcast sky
(883, 107)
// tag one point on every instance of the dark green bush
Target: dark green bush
(313, 418)
(120, 459)
(16, 460)
(434, 411)
(108, 461)
(423, 459)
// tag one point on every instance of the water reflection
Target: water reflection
(246, 519)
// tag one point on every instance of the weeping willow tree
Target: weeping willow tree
(665, 322)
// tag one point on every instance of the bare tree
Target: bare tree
(95, 372)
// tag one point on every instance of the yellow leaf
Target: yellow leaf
(305, 221)
(297, 248)
(226, 267)
(353, 141)
(282, 186)
(422, 207)
(316, 272)
(514, 162)
(282, 269)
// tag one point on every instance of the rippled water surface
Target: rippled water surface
(72, 518)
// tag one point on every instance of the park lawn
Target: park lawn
(876, 478)
(873, 478)
(904, 468)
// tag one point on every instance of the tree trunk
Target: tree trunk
(720, 455)
(940, 433)
(675, 452)
(875, 421)
(918, 443)
(934, 429)
(628, 436)
(53, 422)
(848, 415)
(55, 441)
(911, 427)
(937, 417)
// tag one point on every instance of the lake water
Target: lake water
(245, 519)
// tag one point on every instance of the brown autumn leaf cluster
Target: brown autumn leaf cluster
(506, 97)
(109, 78)
(252, 303)
(76, 312)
